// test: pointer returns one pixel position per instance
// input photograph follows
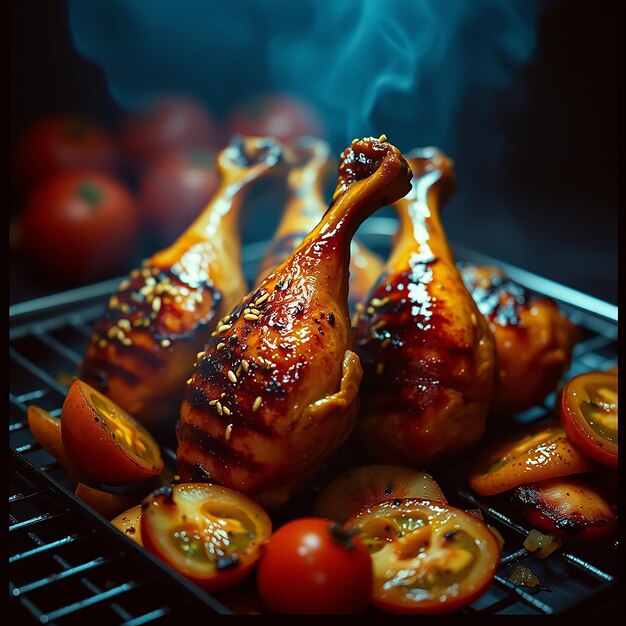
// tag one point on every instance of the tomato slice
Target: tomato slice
(569, 506)
(106, 503)
(428, 557)
(210, 534)
(367, 485)
(535, 453)
(129, 523)
(104, 441)
(589, 415)
(47, 431)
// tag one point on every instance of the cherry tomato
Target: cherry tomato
(175, 188)
(47, 431)
(210, 534)
(167, 122)
(80, 225)
(534, 453)
(364, 486)
(63, 142)
(104, 441)
(428, 557)
(567, 506)
(311, 566)
(106, 503)
(129, 523)
(275, 115)
(589, 415)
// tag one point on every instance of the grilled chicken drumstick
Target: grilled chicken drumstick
(427, 353)
(311, 165)
(534, 340)
(276, 390)
(143, 348)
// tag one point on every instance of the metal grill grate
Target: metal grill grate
(68, 565)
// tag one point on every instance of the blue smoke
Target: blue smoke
(408, 68)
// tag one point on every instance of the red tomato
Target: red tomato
(311, 566)
(62, 142)
(210, 534)
(80, 225)
(275, 115)
(104, 441)
(175, 188)
(364, 486)
(570, 507)
(165, 123)
(428, 557)
(537, 452)
(589, 415)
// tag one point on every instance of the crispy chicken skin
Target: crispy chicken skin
(276, 390)
(427, 353)
(310, 168)
(143, 347)
(534, 340)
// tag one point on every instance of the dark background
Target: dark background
(550, 205)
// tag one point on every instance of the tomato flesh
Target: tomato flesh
(570, 507)
(367, 485)
(428, 557)
(210, 534)
(129, 523)
(589, 415)
(106, 443)
(535, 453)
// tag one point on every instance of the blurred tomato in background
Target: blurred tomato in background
(60, 142)
(79, 226)
(166, 122)
(174, 188)
(276, 115)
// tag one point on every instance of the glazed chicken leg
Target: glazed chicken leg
(534, 340)
(427, 353)
(143, 347)
(311, 165)
(276, 390)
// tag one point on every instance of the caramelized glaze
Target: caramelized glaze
(275, 390)
(534, 339)
(427, 353)
(143, 347)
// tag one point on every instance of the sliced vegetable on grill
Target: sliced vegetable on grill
(532, 453)
(589, 415)
(210, 534)
(104, 441)
(47, 431)
(428, 557)
(129, 522)
(361, 487)
(569, 506)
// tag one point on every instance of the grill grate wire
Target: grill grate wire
(68, 565)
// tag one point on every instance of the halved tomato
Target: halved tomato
(129, 523)
(589, 415)
(104, 441)
(367, 485)
(210, 534)
(538, 452)
(569, 506)
(428, 557)
(47, 431)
